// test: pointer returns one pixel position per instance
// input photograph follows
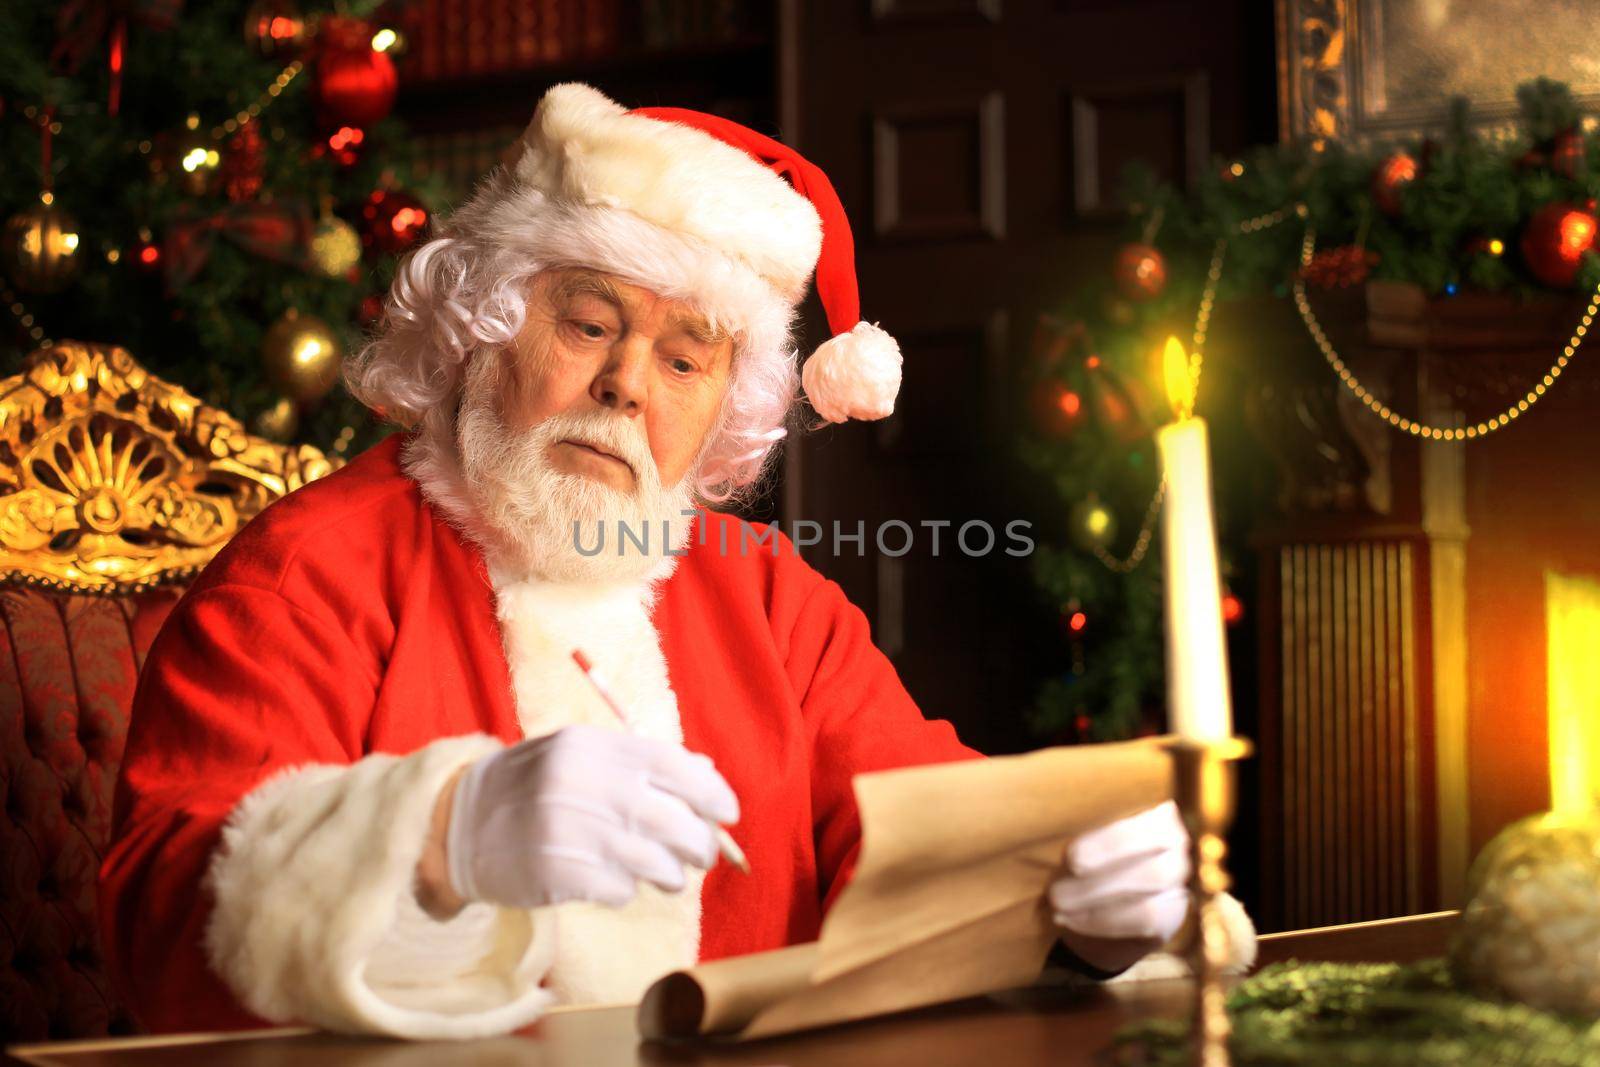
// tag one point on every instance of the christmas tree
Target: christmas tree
(219, 188)
(1510, 210)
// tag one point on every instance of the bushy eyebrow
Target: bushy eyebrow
(588, 283)
(699, 329)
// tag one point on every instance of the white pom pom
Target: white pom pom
(854, 375)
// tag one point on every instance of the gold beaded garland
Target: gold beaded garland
(1411, 426)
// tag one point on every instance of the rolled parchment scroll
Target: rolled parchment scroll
(947, 899)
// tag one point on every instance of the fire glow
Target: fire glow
(1572, 626)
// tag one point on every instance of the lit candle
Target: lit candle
(1197, 661)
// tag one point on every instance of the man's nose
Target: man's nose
(623, 382)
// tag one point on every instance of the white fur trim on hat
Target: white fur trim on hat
(583, 147)
(854, 375)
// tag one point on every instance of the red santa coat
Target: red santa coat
(311, 672)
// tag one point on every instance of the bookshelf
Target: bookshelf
(476, 68)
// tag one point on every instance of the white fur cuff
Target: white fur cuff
(314, 913)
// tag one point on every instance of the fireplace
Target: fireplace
(1429, 612)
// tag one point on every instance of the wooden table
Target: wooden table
(1035, 1026)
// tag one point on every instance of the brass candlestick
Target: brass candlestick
(1203, 781)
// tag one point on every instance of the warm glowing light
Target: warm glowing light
(1179, 377)
(1078, 621)
(384, 40)
(149, 254)
(308, 352)
(67, 242)
(1236, 169)
(197, 158)
(1098, 522)
(1572, 629)
(1092, 362)
(1070, 403)
(1496, 246)
(1577, 231)
(407, 219)
(1398, 169)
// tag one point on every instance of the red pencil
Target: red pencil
(725, 842)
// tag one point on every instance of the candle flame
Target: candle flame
(1180, 378)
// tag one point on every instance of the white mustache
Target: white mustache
(604, 433)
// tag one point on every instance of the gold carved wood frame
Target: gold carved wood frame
(112, 480)
(1364, 71)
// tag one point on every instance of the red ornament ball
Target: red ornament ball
(1393, 174)
(1057, 409)
(356, 84)
(1140, 272)
(370, 311)
(392, 221)
(1554, 241)
(1232, 609)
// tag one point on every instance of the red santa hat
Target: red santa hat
(694, 206)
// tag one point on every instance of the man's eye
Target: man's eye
(591, 330)
(683, 366)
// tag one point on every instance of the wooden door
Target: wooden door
(977, 145)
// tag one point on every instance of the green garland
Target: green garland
(1371, 1015)
(1456, 226)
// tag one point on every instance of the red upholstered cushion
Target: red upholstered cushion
(67, 670)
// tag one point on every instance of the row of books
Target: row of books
(462, 38)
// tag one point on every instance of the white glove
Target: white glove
(1123, 891)
(583, 814)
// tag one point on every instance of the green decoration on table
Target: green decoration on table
(1371, 1015)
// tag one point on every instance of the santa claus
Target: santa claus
(366, 786)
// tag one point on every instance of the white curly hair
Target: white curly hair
(462, 296)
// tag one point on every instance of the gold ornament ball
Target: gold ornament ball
(302, 354)
(279, 422)
(335, 247)
(1091, 524)
(1531, 928)
(41, 248)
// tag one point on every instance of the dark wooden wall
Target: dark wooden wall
(977, 146)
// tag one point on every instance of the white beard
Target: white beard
(534, 518)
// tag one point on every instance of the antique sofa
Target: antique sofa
(116, 488)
